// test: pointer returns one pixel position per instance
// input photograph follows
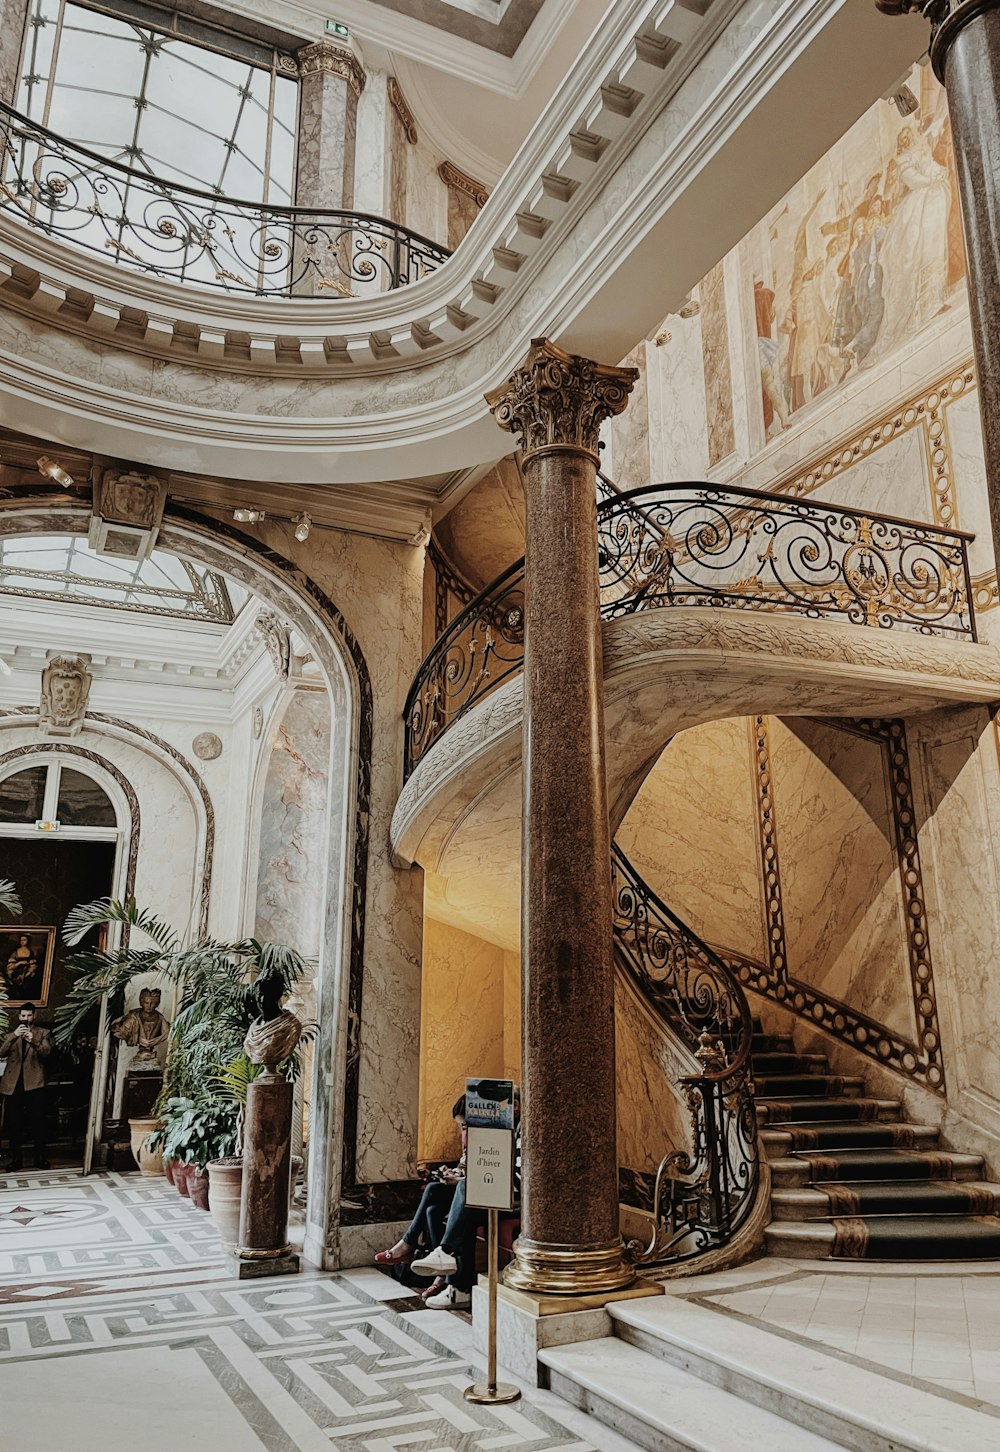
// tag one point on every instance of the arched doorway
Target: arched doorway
(338, 669)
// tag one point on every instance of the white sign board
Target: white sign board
(489, 1173)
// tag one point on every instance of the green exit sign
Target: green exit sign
(335, 27)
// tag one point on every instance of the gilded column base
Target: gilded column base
(568, 1270)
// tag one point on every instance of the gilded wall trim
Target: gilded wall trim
(926, 410)
(460, 181)
(920, 1060)
(401, 107)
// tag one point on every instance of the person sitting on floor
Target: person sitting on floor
(455, 1257)
(428, 1224)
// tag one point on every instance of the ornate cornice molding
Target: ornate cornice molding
(398, 103)
(946, 19)
(324, 58)
(558, 399)
(459, 181)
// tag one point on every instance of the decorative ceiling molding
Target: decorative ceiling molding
(558, 249)
(398, 102)
(452, 176)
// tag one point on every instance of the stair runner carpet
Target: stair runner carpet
(852, 1179)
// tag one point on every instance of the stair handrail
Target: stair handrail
(702, 1195)
(196, 236)
(698, 543)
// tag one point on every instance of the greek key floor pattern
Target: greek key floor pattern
(120, 1325)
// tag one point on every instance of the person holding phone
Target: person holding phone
(23, 1087)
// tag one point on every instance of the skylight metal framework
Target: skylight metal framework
(63, 568)
(220, 113)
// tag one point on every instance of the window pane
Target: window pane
(82, 803)
(23, 795)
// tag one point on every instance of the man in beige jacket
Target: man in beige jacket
(23, 1087)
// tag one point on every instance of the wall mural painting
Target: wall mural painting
(864, 253)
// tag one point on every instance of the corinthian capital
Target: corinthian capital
(558, 398)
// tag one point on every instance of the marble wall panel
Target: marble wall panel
(628, 434)
(372, 150)
(959, 793)
(678, 410)
(426, 193)
(461, 1027)
(841, 901)
(512, 1063)
(462, 212)
(691, 832)
(652, 1118)
(13, 19)
(399, 162)
(891, 480)
(967, 468)
(717, 367)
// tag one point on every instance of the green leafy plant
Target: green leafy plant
(205, 1082)
(195, 1131)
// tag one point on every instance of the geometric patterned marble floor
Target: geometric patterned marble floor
(120, 1326)
(934, 1325)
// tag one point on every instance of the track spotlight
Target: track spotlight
(248, 516)
(303, 524)
(49, 469)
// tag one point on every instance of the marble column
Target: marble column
(331, 81)
(13, 24)
(263, 1245)
(570, 1242)
(965, 54)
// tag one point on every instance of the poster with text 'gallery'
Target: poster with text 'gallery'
(489, 1117)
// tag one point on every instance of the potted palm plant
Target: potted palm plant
(203, 1094)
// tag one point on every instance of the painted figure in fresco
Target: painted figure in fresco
(769, 350)
(915, 254)
(23, 970)
(867, 279)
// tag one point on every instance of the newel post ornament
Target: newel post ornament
(555, 403)
(965, 54)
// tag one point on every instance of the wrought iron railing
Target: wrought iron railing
(175, 231)
(704, 544)
(701, 1195)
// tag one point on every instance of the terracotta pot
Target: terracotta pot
(181, 1177)
(225, 1178)
(198, 1187)
(169, 1166)
(150, 1162)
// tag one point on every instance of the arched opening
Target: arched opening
(315, 680)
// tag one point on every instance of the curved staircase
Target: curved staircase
(851, 1179)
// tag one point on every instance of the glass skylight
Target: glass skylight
(62, 567)
(155, 102)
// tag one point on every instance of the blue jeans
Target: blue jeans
(459, 1239)
(432, 1213)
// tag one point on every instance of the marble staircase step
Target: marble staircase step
(808, 1086)
(781, 1140)
(807, 1110)
(801, 1382)
(790, 1063)
(886, 1197)
(665, 1409)
(807, 1167)
(772, 1044)
(900, 1237)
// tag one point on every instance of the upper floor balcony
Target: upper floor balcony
(266, 342)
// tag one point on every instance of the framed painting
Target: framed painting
(26, 955)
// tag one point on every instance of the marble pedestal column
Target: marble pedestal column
(263, 1248)
(570, 1240)
(965, 54)
(331, 79)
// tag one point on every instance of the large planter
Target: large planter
(225, 1179)
(197, 1180)
(150, 1162)
(181, 1177)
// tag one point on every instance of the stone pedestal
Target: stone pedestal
(570, 1242)
(526, 1323)
(965, 54)
(263, 1246)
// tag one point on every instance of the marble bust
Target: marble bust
(143, 1028)
(273, 1037)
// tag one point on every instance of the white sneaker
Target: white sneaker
(450, 1299)
(437, 1263)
